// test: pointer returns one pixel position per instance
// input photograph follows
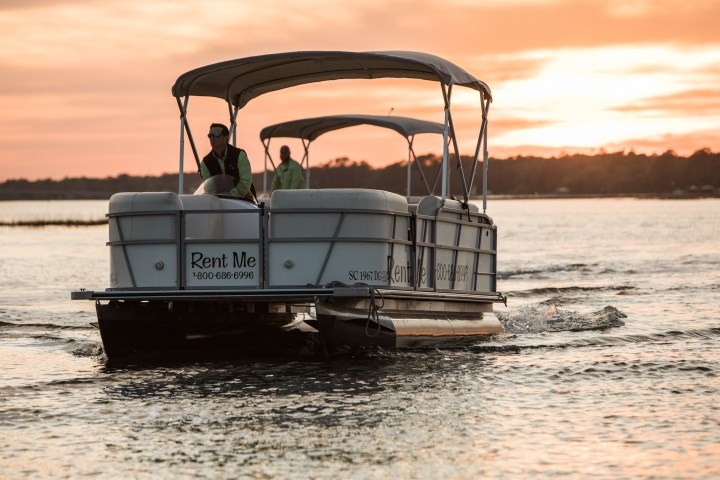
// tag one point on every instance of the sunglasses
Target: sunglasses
(215, 135)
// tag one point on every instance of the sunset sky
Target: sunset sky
(85, 85)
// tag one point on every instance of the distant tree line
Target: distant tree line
(608, 173)
(618, 173)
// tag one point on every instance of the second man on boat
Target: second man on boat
(289, 174)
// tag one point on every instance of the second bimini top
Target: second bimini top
(241, 80)
(311, 128)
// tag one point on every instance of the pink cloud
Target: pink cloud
(86, 86)
(698, 102)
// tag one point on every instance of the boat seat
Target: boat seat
(144, 227)
(344, 235)
(143, 202)
(334, 201)
(430, 206)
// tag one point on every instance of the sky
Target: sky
(85, 84)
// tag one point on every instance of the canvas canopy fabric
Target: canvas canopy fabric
(311, 128)
(239, 81)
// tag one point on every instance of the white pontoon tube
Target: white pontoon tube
(309, 129)
(239, 81)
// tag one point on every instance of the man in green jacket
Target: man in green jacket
(226, 159)
(289, 174)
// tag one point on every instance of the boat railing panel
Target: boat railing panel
(143, 240)
(162, 240)
(455, 247)
(320, 237)
(308, 239)
(221, 243)
(233, 259)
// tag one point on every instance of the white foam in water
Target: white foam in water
(543, 318)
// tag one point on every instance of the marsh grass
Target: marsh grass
(53, 223)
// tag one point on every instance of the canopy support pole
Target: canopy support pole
(482, 141)
(185, 127)
(437, 176)
(409, 171)
(233, 122)
(306, 161)
(268, 156)
(456, 149)
(182, 149)
(266, 146)
(411, 151)
(486, 158)
(446, 126)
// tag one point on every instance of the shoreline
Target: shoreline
(526, 196)
(84, 222)
(547, 196)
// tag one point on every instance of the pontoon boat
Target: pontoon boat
(333, 268)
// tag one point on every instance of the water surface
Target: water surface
(608, 368)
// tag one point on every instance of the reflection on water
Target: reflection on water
(28, 210)
(608, 369)
(460, 413)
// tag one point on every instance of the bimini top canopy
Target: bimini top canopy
(311, 128)
(239, 81)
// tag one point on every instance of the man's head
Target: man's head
(284, 153)
(219, 136)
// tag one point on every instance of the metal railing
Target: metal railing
(422, 239)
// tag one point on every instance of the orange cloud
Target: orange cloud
(680, 143)
(85, 86)
(699, 102)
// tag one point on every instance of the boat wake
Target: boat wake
(44, 326)
(621, 289)
(541, 272)
(89, 349)
(548, 318)
(709, 334)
